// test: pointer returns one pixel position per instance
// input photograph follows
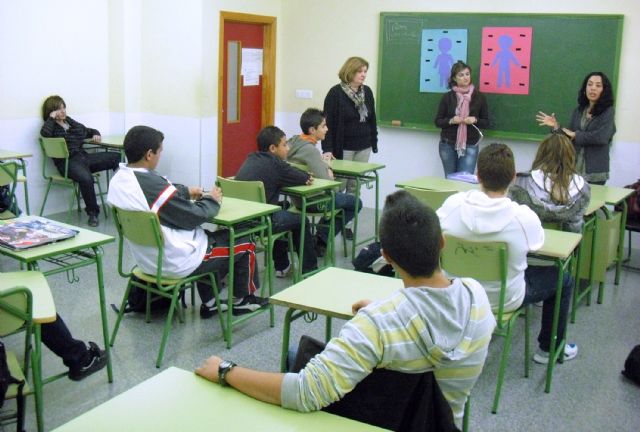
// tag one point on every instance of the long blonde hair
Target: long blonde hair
(556, 158)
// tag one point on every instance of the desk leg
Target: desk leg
(623, 224)
(303, 227)
(23, 167)
(36, 370)
(578, 294)
(230, 284)
(327, 330)
(554, 353)
(377, 215)
(103, 311)
(354, 240)
(269, 269)
(290, 316)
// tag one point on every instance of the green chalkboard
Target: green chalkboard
(563, 49)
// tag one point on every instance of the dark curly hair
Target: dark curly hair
(606, 98)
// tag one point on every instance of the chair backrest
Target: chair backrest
(483, 261)
(15, 309)
(141, 228)
(246, 190)
(431, 198)
(8, 173)
(54, 147)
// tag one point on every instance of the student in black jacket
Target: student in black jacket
(268, 165)
(81, 164)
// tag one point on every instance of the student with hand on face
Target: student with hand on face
(81, 164)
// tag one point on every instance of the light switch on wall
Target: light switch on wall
(304, 94)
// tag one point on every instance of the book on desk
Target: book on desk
(31, 233)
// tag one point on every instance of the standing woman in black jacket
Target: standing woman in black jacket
(81, 164)
(351, 117)
(461, 114)
(592, 127)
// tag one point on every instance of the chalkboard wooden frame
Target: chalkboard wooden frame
(564, 49)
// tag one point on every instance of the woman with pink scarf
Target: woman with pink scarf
(462, 113)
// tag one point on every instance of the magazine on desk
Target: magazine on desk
(31, 233)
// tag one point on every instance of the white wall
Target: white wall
(124, 62)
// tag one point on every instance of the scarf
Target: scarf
(462, 110)
(358, 99)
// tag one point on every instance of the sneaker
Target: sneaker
(348, 233)
(97, 360)
(209, 311)
(283, 273)
(93, 220)
(570, 352)
(250, 303)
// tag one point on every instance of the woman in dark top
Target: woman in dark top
(81, 164)
(351, 116)
(462, 112)
(592, 127)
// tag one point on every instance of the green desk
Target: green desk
(330, 292)
(43, 311)
(6, 155)
(362, 173)
(243, 218)
(437, 183)
(318, 194)
(558, 246)
(612, 195)
(110, 143)
(178, 400)
(83, 250)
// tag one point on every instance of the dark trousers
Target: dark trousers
(57, 337)
(81, 167)
(347, 203)
(287, 221)
(541, 286)
(216, 259)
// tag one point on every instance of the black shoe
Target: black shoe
(209, 311)
(348, 233)
(250, 303)
(93, 220)
(97, 360)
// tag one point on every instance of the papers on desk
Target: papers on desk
(464, 177)
(32, 233)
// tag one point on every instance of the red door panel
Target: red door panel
(239, 137)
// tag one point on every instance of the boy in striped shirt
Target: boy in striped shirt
(434, 324)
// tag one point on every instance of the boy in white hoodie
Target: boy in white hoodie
(489, 215)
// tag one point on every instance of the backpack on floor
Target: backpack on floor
(369, 260)
(137, 301)
(5, 376)
(632, 365)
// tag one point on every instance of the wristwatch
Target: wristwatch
(223, 369)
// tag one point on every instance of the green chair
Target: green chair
(25, 303)
(487, 261)
(56, 148)
(316, 217)
(254, 191)
(143, 229)
(430, 198)
(9, 177)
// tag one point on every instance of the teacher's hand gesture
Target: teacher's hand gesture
(547, 120)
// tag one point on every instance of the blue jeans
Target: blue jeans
(541, 286)
(287, 221)
(452, 163)
(347, 203)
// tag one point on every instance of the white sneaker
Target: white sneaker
(283, 273)
(570, 352)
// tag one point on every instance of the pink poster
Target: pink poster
(506, 60)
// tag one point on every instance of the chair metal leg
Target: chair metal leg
(167, 326)
(120, 314)
(467, 415)
(46, 195)
(503, 365)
